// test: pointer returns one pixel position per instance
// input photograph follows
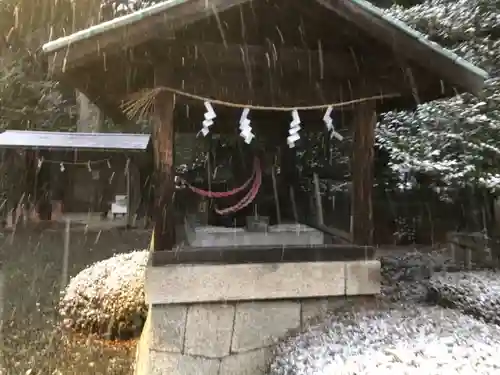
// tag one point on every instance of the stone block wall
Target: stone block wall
(189, 331)
(222, 338)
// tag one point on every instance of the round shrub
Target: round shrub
(476, 293)
(107, 297)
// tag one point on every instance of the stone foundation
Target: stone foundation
(277, 235)
(189, 331)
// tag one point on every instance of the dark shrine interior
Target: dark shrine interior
(231, 164)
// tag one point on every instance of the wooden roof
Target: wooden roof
(73, 141)
(266, 52)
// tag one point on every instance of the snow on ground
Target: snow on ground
(406, 335)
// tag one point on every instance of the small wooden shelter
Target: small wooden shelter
(280, 54)
(82, 172)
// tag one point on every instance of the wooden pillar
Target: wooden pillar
(318, 200)
(363, 124)
(128, 176)
(163, 144)
(31, 195)
(291, 198)
(43, 190)
(30, 173)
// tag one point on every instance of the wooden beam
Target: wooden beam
(250, 62)
(315, 64)
(163, 144)
(363, 127)
(338, 234)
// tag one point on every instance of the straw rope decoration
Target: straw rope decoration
(140, 104)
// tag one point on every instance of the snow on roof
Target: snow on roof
(69, 140)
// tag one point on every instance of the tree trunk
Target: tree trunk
(89, 116)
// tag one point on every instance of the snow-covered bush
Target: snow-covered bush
(476, 293)
(107, 298)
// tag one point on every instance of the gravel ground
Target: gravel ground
(405, 334)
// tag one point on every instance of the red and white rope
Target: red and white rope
(248, 198)
(223, 194)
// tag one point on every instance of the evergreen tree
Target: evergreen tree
(456, 141)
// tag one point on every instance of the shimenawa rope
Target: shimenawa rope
(141, 102)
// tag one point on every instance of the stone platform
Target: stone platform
(277, 235)
(225, 319)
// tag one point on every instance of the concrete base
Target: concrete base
(193, 328)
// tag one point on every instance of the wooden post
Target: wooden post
(294, 205)
(319, 203)
(2, 304)
(289, 183)
(363, 123)
(163, 144)
(496, 215)
(276, 195)
(64, 275)
(128, 176)
(29, 203)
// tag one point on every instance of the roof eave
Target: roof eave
(476, 76)
(122, 33)
(142, 144)
(104, 27)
